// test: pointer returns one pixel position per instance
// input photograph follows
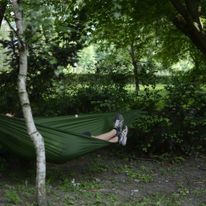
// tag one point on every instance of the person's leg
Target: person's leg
(107, 136)
(112, 136)
(122, 139)
(116, 134)
(114, 140)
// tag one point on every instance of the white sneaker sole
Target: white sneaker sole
(123, 139)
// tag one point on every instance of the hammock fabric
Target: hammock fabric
(63, 136)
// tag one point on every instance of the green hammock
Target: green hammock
(63, 136)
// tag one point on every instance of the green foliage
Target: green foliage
(111, 60)
(182, 190)
(4, 60)
(87, 59)
(173, 159)
(83, 93)
(54, 35)
(157, 200)
(141, 174)
(13, 197)
(84, 100)
(4, 52)
(73, 185)
(133, 41)
(97, 167)
(179, 126)
(185, 106)
(148, 99)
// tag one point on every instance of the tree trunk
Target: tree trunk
(136, 77)
(24, 99)
(188, 21)
(135, 68)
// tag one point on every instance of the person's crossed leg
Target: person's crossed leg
(118, 134)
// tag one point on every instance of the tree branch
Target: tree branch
(187, 20)
(194, 9)
(12, 28)
(197, 37)
(193, 6)
(3, 5)
(180, 8)
(190, 12)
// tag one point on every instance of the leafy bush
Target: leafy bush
(148, 100)
(185, 106)
(180, 125)
(175, 119)
(83, 100)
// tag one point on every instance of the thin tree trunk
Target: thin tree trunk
(136, 76)
(135, 68)
(24, 99)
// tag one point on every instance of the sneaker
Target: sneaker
(118, 123)
(123, 136)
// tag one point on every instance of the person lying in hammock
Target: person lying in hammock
(117, 134)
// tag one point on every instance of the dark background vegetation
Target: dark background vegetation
(93, 56)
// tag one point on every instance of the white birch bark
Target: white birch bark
(27, 112)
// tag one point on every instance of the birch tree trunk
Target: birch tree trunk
(24, 99)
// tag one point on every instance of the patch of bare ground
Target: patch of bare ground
(109, 177)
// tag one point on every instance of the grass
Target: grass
(107, 179)
(98, 167)
(157, 199)
(199, 192)
(12, 197)
(141, 174)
